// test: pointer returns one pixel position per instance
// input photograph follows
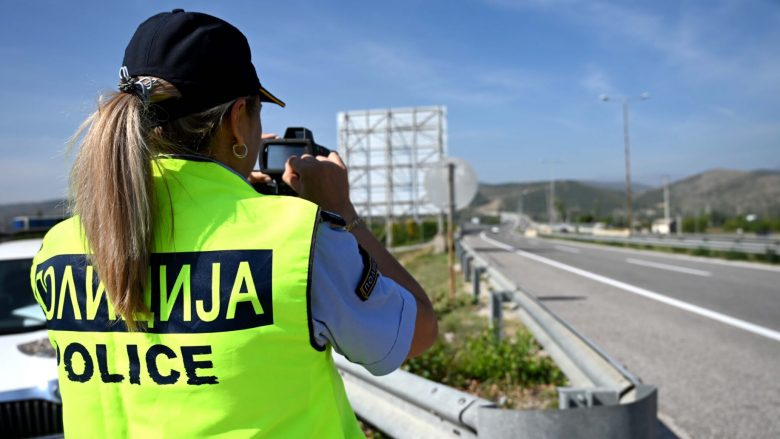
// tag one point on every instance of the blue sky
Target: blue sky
(520, 79)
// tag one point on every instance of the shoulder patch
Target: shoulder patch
(369, 278)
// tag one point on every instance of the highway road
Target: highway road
(705, 331)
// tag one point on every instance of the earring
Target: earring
(242, 154)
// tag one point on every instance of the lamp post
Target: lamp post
(625, 101)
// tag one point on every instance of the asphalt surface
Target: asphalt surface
(706, 332)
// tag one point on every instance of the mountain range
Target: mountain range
(727, 192)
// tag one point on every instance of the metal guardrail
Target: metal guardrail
(405, 405)
(599, 384)
(737, 237)
(750, 245)
(605, 400)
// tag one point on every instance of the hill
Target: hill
(638, 188)
(573, 197)
(727, 192)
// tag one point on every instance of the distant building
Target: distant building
(664, 227)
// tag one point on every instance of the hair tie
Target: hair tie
(139, 87)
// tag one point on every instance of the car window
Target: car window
(15, 296)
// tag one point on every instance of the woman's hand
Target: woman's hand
(259, 177)
(321, 180)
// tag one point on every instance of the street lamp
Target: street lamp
(625, 101)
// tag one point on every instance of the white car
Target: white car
(30, 403)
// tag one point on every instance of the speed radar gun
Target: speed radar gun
(296, 142)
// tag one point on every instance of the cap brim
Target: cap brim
(266, 96)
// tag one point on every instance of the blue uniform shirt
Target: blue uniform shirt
(375, 333)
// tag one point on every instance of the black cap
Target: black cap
(207, 59)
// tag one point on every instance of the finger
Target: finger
(269, 136)
(335, 157)
(293, 163)
(302, 165)
(297, 164)
(290, 176)
(259, 177)
(292, 180)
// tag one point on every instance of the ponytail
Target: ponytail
(111, 192)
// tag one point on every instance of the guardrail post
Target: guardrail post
(476, 282)
(466, 267)
(496, 314)
(569, 397)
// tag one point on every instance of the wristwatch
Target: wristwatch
(336, 222)
(352, 224)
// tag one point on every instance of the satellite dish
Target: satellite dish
(436, 184)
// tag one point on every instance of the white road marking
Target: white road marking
(498, 244)
(654, 253)
(669, 267)
(695, 309)
(576, 251)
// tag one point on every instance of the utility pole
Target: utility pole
(551, 203)
(450, 227)
(666, 200)
(551, 199)
(520, 203)
(629, 210)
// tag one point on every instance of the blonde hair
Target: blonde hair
(111, 185)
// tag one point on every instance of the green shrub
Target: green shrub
(412, 231)
(429, 230)
(443, 306)
(481, 357)
(735, 255)
(697, 224)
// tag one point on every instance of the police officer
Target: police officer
(180, 302)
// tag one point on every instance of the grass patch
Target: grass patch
(513, 372)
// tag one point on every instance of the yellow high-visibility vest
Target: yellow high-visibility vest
(228, 350)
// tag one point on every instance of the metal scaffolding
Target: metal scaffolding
(387, 152)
